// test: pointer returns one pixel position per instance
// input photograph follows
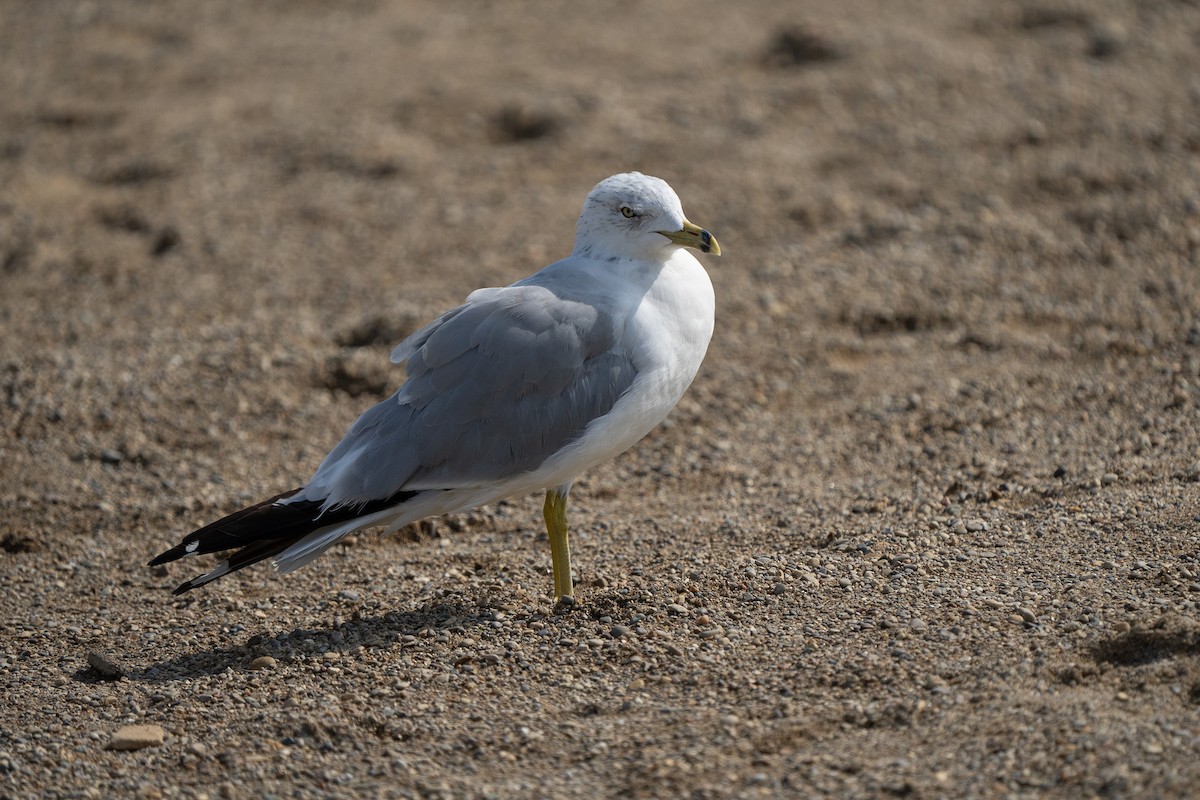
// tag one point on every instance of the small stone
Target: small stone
(677, 609)
(917, 624)
(976, 525)
(136, 737)
(111, 456)
(1027, 615)
(619, 631)
(1108, 39)
(1108, 478)
(108, 669)
(519, 123)
(797, 47)
(1035, 133)
(263, 662)
(1121, 627)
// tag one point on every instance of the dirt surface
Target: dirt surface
(924, 526)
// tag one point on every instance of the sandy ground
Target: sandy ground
(924, 526)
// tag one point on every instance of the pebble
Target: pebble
(1107, 40)
(1027, 615)
(136, 737)
(677, 609)
(619, 630)
(263, 662)
(108, 669)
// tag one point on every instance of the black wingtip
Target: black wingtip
(174, 554)
(186, 586)
(265, 530)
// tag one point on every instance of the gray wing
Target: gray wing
(494, 388)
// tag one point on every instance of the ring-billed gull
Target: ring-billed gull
(519, 389)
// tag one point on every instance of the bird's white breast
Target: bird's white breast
(667, 336)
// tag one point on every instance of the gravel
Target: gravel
(924, 526)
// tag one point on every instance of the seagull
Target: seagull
(519, 389)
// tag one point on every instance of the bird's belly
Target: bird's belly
(673, 328)
(635, 414)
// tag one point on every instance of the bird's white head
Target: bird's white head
(639, 217)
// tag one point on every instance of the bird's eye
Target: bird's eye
(628, 212)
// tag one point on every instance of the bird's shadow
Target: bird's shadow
(379, 632)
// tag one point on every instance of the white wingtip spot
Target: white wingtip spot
(209, 577)
(191, 547)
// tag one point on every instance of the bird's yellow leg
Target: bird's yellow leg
(555, 512)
